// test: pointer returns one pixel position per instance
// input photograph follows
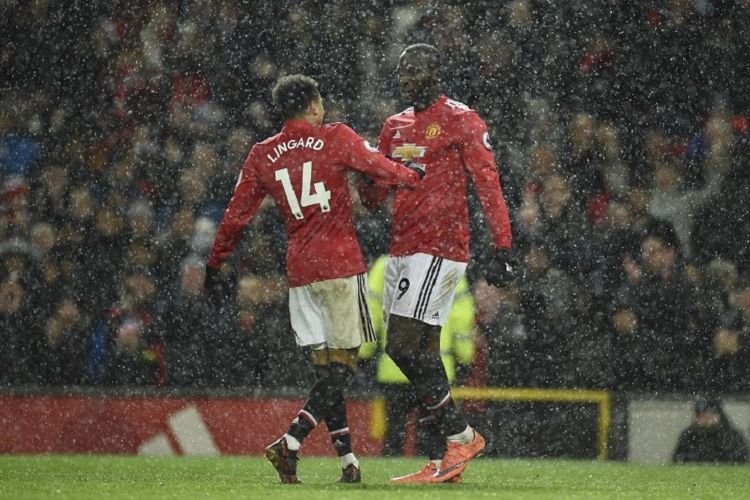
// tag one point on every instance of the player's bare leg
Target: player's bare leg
(415, 347)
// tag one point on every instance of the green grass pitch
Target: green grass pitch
(108, 477)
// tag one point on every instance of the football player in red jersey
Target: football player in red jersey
(304, 169)
(429, 246)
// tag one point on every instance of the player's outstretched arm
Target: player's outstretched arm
(382, 173)
(367, 159)
(479, 161)
(247, 197)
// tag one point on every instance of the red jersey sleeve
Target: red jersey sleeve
(479, 160)
(247, 197)
(372, 194)
(357, 153)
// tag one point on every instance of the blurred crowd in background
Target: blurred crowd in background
(621, 130)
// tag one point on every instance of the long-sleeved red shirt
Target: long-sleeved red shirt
(304, 169)
(451, 140)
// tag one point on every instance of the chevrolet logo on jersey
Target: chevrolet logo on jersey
(408, 151)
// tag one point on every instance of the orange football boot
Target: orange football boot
(424, 476)
(458, 457)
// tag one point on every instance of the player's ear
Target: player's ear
(315, 107)
(437, 74)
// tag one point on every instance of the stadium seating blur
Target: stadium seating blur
(621, 135)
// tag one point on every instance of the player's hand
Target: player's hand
(501, 270)
(213, 286)
(417, 167)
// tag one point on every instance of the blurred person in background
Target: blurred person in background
(582, 160)
(125, 348)
(500, 319)
(679, 205)
(711, 437)
(50, 192)
(20, 340)
(721, 286)
(742, 302)
(563, 226)
(67, 340)
(23, 310)
(258, 349)
(173, 245)
(728, 346)
(185, 323)
(541, 163)
(44, 245)
(654, 318)
(14, 207)
(141, 221)
(722, 228)
(638, 200)
(304, 169)
(612, 238)
(77, 237)
(728, 363)
(229, 164)
(546, 296)
(110, 240)
(20, 138)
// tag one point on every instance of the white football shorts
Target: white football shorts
(421, 286)
(332, 314)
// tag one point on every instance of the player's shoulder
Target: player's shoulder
(337, 131)
(405, 112)
(458, 108)
(257, 148)
(268, 142)
(336, 128)
(464, 116)
(404, 115)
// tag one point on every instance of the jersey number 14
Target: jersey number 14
(321, 196)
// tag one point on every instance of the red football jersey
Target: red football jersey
(451, 140)
(304, 169)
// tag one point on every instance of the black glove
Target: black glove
(501, 270)
(417, 167)
(213, 286)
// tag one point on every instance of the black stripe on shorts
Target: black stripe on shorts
(429, 283)
(364, 311)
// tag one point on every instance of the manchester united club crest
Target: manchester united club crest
(433, 130)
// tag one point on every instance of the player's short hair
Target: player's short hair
(430, 53)
(293, 93)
